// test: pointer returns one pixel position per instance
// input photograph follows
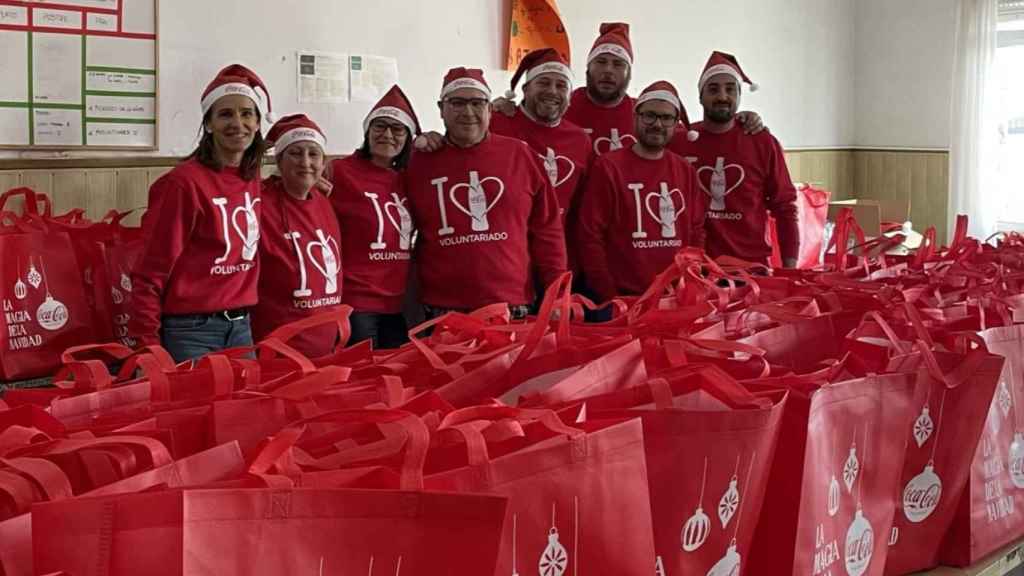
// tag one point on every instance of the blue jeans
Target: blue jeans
(385, 330)
(191, 336)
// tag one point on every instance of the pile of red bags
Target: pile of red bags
(860, 418)
(65, 281)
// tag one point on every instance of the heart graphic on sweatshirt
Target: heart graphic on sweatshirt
(718, 187)
(403, 223)
(614, 142)
(250, 231)
(478, 206)
(328, 263)
(666, 214)
(551, 165)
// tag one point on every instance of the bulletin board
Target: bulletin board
(78, 74)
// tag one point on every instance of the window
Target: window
(1009, 71)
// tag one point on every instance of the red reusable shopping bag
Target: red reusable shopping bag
(812, 213)
(709, 445)
(578, 497)
(950, 407)
(853, 461)
(44, 305)
(991, 512)
(269, 532)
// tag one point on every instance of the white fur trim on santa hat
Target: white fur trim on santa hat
(613, 49)
(300, 134)
(390, 112)
(549, 68)
(723, 69)
(659, 95)
(234, 88)
(465, 83)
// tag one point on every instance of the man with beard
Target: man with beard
(562, 147)
(487, 215)
(743, 176)
(641, 204)
(602, 107)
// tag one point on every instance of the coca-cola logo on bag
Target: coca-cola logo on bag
(921, 495)
(51, 314)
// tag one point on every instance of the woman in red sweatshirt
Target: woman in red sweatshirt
(195, 280)
(300, 255)
(377, 230)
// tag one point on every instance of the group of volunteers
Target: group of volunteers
(492, 211)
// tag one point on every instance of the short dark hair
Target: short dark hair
(206, 152)
(400, 161)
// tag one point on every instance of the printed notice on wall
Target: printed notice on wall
(372, 76)
(322, 77)
(78, 73)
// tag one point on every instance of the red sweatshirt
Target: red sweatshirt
(488, 221)
(300, 266)
(564, 150)
(377, 232)
(609, 128)
(743, 176)
(202, 232)
(635, 215)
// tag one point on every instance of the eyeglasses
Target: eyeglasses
(649, 118)
(379, 128)
(477, 104)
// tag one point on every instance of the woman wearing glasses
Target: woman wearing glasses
(376, 227)
(641, 204)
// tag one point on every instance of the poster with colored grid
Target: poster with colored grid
(78, 73)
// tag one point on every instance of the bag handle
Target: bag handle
(18, 490)
(47, 475)
(157, 452)
(272, 347)
(462, 421)
(712, 379)
(338, 317)
(416, 444)
(32, 201)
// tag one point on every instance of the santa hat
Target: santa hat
(292, 129)
(394, 105)
(614, 40)
(543, 61)
(722, 63)
(662, 90)
(458, 78)
(237, 79)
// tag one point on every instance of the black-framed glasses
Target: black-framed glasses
(649, 118)
(476, 104)
(379, 127)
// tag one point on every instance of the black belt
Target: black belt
(233, 315)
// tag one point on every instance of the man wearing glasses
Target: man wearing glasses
(487, 215)
(743, 177)
(641, 203)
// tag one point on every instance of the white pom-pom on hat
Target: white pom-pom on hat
(692, 135)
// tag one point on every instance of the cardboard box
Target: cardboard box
(870, 213)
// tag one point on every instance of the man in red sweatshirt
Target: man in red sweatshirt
(743, 176)
(563, 147)
(641, 204)
(602, 107)
(487, 214)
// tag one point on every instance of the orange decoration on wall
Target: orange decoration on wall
(535, 24)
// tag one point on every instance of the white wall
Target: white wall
(802, 52)
(904, 72)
